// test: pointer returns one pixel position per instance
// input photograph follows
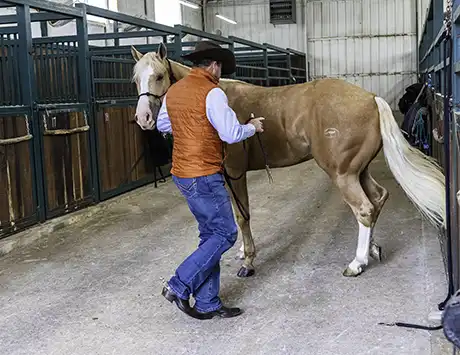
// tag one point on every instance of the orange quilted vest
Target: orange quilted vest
(197, 149)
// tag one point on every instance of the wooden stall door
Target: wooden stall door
(125, 160)
(17, 201)
(66, 161)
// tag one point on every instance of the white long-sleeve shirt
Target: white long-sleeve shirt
(219, 114)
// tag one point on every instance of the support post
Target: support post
(178, 46)
(28, 95)
(44, 28)
(84, 96)
(231, 46)
(267, 71)
(454, 126)
(115, 30)
(289, 66)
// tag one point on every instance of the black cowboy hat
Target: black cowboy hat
(211, 50)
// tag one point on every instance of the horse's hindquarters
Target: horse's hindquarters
(344, 129)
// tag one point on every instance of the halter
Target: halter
(172, 80)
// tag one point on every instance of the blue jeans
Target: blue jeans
(199, 274)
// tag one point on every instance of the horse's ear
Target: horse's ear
(162, 50)
(136, 54)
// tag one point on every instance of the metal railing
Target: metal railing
(439, 68)
(67, 105)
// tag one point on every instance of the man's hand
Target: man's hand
(257, 123)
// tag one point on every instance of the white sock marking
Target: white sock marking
(240, 253)
(362, 251)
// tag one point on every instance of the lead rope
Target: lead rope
(228, 178)
(267, 167)
(411, 326)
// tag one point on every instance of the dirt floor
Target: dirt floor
(93, 287)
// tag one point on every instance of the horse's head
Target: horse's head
(152, 75)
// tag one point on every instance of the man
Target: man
(195, 110)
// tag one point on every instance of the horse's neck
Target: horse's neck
(179, 70)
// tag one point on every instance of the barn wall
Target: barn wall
(253, 23)
(137, 8)
(191, 17)
(371, 43)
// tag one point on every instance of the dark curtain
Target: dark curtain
(158, 149)
(409, 97)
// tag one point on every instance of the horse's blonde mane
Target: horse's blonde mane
(152, 59)
(234, 81)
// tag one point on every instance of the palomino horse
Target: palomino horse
(339, 125)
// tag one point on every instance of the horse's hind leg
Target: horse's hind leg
(240, 254)
(378, 195)
(241, 202)
(364, 211)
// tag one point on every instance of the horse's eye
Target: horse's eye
(160, 77)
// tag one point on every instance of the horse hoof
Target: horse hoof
(245, 272)
(352, 273)
(376, 252)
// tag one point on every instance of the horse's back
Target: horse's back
(324, 116)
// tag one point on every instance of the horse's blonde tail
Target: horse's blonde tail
(420, 176)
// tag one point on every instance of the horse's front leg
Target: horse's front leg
(240, 200)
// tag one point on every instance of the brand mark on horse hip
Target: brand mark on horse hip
(331, 133)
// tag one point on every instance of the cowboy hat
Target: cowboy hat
(212, 51)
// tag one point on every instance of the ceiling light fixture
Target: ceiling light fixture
(189, 4)
(226, 19)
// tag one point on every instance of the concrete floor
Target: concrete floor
(94, 287)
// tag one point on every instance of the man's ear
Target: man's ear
(162, 50)
(136, 54)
